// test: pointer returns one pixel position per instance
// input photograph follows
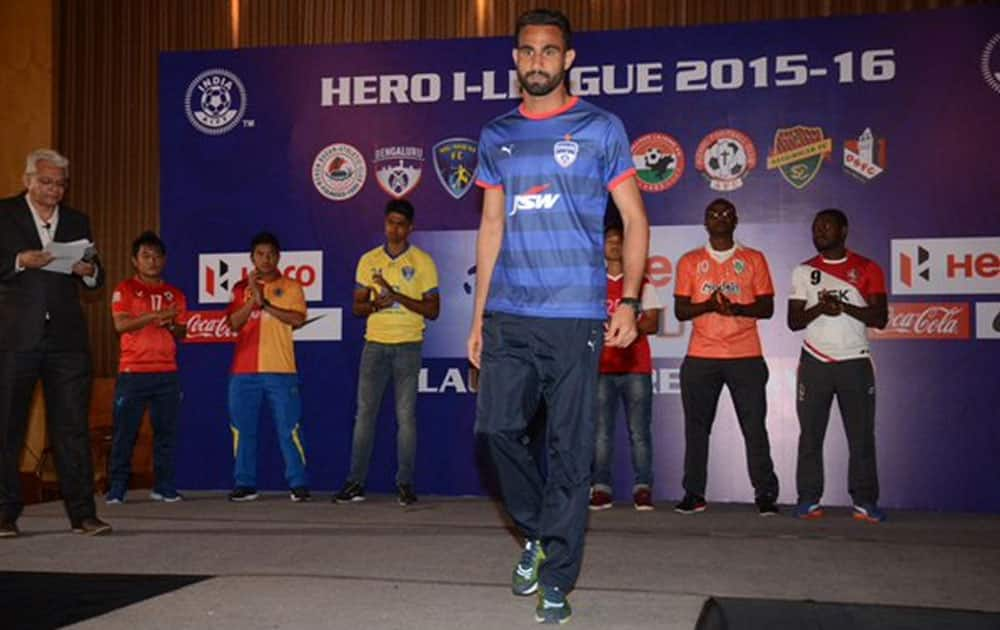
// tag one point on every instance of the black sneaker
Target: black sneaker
(766, 506)
(299, 494)
(406, 494)
(351, 492)
(691, 504)
(242, 493)
(8, 528)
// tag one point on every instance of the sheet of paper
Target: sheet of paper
(66, 255)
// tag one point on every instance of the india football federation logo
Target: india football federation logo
(725, 157)
(339, 171)
(990, 64)
(215, 101)
(658, 160)
(398, 169)
(455, 162)
(798, 152)
(865, 157)
(565, 151)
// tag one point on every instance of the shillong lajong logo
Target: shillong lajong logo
(215, 101)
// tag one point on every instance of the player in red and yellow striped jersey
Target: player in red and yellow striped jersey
(265, 310)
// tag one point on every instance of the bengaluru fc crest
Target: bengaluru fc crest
(398, 169)
(798, 152)
(455, 164)
(565, 152)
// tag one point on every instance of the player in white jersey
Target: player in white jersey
(835, 297)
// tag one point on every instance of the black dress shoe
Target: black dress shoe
(92, 526)
(8, 529)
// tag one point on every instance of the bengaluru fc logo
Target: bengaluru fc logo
(398, 169)
(565, 151)
(865, 157)
(215, 101)
(798, 152)
(658, 161)
(455, 164)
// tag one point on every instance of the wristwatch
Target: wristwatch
(634, 303)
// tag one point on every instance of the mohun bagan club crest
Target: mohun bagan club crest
(455, 162)
(658, 160)
(398, 169)
(215, 101)
(865, 158)
(798, 152)
(725, 157)
(339, 171)
(565, 151)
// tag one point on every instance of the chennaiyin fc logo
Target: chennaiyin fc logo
(455, 163)
(215, 101)
(398, 169)
(565, 151)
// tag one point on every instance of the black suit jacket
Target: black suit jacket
(26, 297)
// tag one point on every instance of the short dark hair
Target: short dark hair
(544, 17)
(264, 238)
(400, 206)
(149, 239)
(721, 201)
(838, 216)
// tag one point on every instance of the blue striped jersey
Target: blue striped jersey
(555, 171)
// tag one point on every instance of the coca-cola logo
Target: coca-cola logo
(209, 327)
(910, 320)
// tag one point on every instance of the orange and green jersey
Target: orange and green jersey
(265, 344)
(742, 277)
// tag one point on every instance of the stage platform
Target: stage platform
(445, 563)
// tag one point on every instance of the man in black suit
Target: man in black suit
(43, 335)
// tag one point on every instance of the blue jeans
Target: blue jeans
(162, 392)
(379, 363)
(636, 390)
(246, 392)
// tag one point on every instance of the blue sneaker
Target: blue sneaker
(553, 607)
(115, 495)
(809, 511)
(525, 578)
(868, 512)
(167, 496)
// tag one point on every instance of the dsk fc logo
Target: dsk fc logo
(455, 164)
(865, 158)
(398, 169)
(798, 152)
(215, 101)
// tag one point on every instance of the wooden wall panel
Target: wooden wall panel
(26, 74)
(107, 76)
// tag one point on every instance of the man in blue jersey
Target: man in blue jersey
(538, 324)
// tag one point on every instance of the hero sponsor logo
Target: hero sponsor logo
(865, 157)
(535, 198)
(939, 266)
(339, 171)
(725, 157)
(923, 320)
(215, 101)
(218, 273)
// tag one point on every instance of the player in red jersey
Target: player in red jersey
(149, 314)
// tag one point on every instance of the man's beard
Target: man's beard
(540, 89)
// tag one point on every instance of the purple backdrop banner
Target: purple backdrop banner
(891, 118)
